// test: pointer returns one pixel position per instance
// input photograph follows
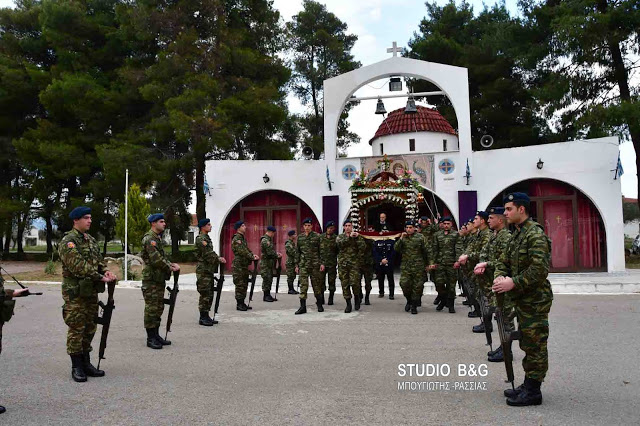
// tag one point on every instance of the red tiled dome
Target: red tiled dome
(425, 120)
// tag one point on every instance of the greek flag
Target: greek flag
(205, 186)
(468, 169)
(619, 169)
(328, 180)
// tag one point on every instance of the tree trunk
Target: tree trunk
(104, 248)
(7, 236)
(47, 219)
(201, 197)
(21, 225)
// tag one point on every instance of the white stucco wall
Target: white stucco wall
(425, 142)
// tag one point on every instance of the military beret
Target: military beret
(409, 223)
(471, 220)
(203, 222)
(155, 217)
(238, 224)
(446, 219)
(292, 232)
(271, 228)
(307, 220)
(346, 221)
(516, 196)
(496, 210)
(330, 223)
(482, 214)
(78, 212)
(424, 218)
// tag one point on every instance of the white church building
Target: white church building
(571, 184)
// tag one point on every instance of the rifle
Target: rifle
(278, 271)
(466, 288)
(506, 339)
(105, 319)
(253, 281)
(171, 301)
(486, 313)
(220, 281)
(28, 293)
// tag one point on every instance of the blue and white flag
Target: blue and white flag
(328, 179)
(205, 187)
(619, 169)
(468, 169)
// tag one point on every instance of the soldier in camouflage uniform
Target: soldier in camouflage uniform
(444, 257)
(208, 261)
(309, 266)
(84, 276)
(291, 250)
(471, 257)
(350, 248)
(467, 269)
(498, 241)
(242, 258)
(366, 270)
(268, 262)
(414, 250)
(522, 271)
(329, 258)
(6, 312)
(461, 244)
(157, 269)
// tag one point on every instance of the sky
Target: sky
(378, 23)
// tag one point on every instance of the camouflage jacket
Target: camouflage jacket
(268, 254)
(475, 248)
(208, 259)
(367, 256)
(497, 244)
(526, 260)
(156, 265)
(414, 250)
(242, 255)
(329, 250)
(290, 249)
(469, 241)
(443, 250)
(461, 245)
(308, 250)
(350, 251)
(80, 256)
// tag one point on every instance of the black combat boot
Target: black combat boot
(348, 308)
(2, 409)
(267, 298)
(478, 328)
(490, 353)
(240, 306)
(496, 356)
(151, 339)
(303, 307)
(292, 290)
(358, 299)
(159, 338)
(474, 314)
(330, 297)
(88, 368)
(77, 370)
(407, 307)
(205, 319)
(366, 298)
(414, 307)
(451, 305)
(530, 394)
(466, 303)
(442, 304)
(437, 299)
(512, 393)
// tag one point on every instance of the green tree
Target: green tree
(321, 49)
(138, 224)
(585, 55)
(490, 46)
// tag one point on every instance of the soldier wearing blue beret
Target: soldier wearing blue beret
(290, 250)
(329, 258)
(208, 261)
(268, 262)
(242, 258)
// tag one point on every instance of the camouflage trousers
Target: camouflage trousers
(350, 280)
(204, 281)
(533, 322)
(80, 315)
(310, 272)
(153, 293)
(267, 282)
(367, 273)
(331, 272)
(411, 282)
(241, 281)
(291, 274)
(437, 281)
(446, 278)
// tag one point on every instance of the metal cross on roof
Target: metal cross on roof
(395, 49)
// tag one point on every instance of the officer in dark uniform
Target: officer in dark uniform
(384, 255)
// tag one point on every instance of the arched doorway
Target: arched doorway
(266, 208)
(431, 205)
(570, 219)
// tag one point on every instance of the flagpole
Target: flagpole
(126, 225)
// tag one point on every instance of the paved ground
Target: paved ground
(271, 367)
